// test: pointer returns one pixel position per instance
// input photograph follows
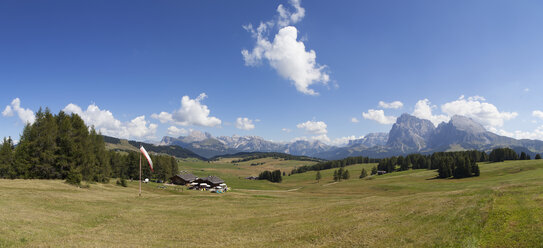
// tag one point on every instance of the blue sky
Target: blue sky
(133, 60)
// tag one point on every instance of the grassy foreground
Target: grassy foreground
(502, 208)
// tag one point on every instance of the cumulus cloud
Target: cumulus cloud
(26, 115)
(479, 110)
(354, 120)
(163, 117)
(313, 127)
(286, 17)
(536, 134)
(423, 110)
(391, 105)
(378, 116)
(191, 112)
(105, 123)
(175, 131)
(285, 53)
(244, 123)
(538, 114)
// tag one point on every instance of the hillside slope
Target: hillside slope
(130, 145)
(501, 208)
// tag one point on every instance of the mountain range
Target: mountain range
(408, 135)
(206, 145)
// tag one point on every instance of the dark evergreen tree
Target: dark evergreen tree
(475, 169)
(522, 156)
(318, 176)
(346, 175)
(340, 173)
(538, 156)
(373, 170)
(7, 169)
(363, 173)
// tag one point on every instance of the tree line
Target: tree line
(272, 176)
(334, 164)
(62, 147)
(448, 164)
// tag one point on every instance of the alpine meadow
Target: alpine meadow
(283, 123)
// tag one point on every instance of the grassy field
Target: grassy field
(502, 208)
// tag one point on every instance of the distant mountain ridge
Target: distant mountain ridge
(205, 145)
(370, 140)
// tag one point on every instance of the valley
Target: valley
(501, 208)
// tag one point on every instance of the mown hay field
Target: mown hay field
(501, 208)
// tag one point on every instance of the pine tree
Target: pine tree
(340, 173)
(522, 156)
(336, 178)
(346, 175)
(363, 173)
(318, 176)
(476, 171)
(538, 156)
(6, 159)
(374, 170)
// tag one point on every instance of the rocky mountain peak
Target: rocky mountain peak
(466, 124)
(410, 134)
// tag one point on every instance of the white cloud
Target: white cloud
(138, 127)
(286, 130)
(538, 114)
(391, 105)
(476, 108)
(526, 89)
(354, 120)
(244, 123)
(423, 110)
(163, 117)
(192, 112)
(285, 53)
(537, 134)
(286, 17)
(26, 115)
(175, 131)
(105, 123)
(379, 116)
(313, 127)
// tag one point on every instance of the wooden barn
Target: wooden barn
(183, 179)
(213, 181)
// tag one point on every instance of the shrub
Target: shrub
(363, 173)
(74, 178)
(121, 182)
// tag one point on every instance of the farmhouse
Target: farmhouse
(213, 181)
(183, 179)
(381, 172)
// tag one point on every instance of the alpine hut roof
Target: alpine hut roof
(213, 180)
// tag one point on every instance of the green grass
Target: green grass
(501, 208)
